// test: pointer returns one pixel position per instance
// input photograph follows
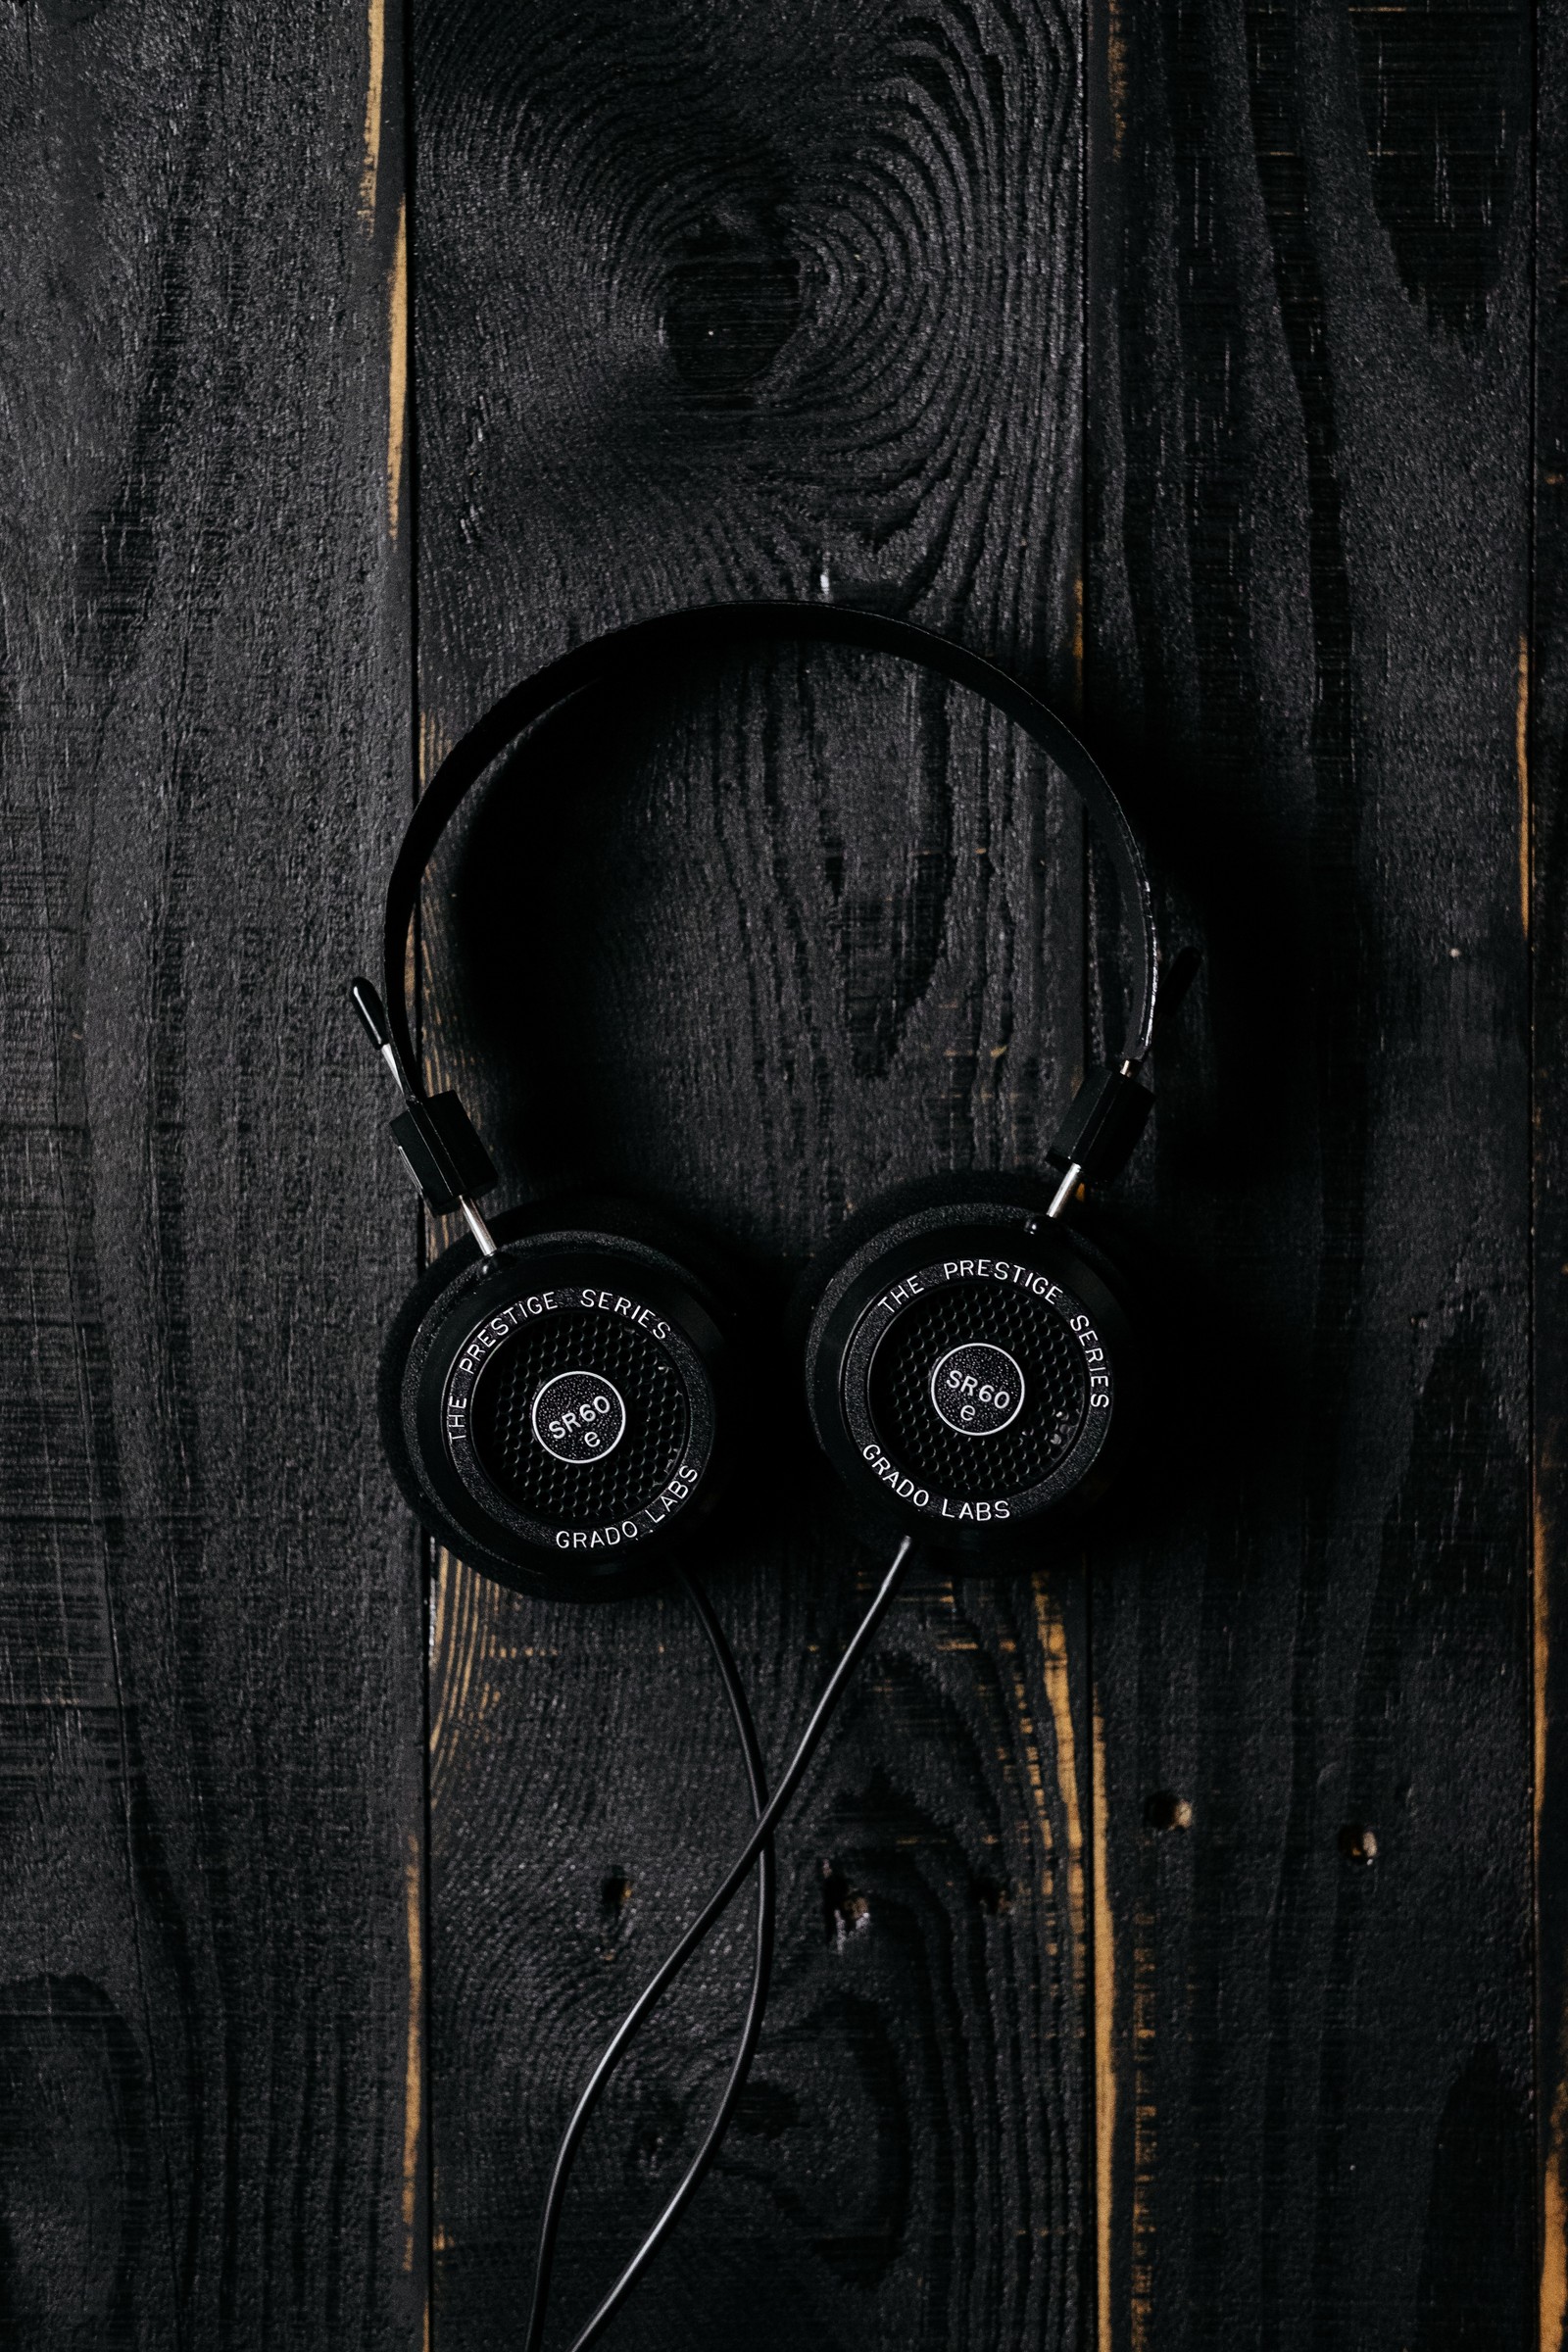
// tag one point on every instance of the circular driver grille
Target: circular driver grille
(1010, 1461)
(579, 1494)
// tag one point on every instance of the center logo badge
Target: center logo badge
(977, 1389)
(579, 1416)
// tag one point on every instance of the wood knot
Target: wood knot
(733, 300)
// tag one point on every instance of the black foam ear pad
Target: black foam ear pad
(970, 1369)
(561, 1414)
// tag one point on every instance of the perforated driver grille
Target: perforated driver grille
(989, 1314)
(580, 1493)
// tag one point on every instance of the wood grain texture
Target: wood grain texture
(210, 1765)
(1156, 1962)
(707, 304)
(1305, 611)
(1544, 744)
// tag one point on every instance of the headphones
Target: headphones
(563, 1406)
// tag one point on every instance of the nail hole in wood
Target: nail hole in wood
(846, 1912)
(1166, 1810)
(616, 1894)
(993, 1895)
(1359, 1844)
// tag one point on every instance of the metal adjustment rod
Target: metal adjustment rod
(1065, 1189)
(440, 1146)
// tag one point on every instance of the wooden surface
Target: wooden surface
(1309, 586)
(210, 1765)
(1546, 746)
(1171, 1940)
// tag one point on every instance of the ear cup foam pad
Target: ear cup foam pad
(1019, 1189)
(970, 1370)
(561, 1414)
(438, 1277)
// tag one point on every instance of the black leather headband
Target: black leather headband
(706, 628)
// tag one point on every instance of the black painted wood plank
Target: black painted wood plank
(1304, 620)
(707, 304)
(211, 1763)
(1548, 740)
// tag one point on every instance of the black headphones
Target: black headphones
(561, 1407)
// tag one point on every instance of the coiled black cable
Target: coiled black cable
(758, 1843)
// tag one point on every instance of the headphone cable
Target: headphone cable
(717, 1903)
(766, 1882)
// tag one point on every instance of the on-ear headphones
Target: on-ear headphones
(563, 1404)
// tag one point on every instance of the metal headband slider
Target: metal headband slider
(1103, 1126)
(442, 1153)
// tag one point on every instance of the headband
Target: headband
(709, 628)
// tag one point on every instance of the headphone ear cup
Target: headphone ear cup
(438, 1277)
(560, 1414)
(863, 1225)
(1018, 1190)
(969, 1364)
